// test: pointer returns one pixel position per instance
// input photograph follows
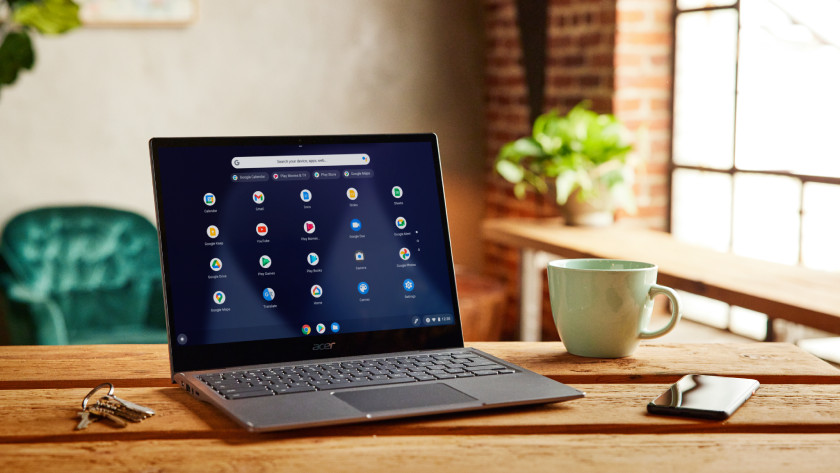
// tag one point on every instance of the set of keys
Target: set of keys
(119, 411)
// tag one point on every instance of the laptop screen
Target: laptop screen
(305, 247)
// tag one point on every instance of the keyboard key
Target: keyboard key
(242, 389)
(445, 376)
(484, 372)
(300, 389)
(484, 368)
(247, 394)
(371, 382)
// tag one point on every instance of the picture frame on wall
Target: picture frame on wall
(137, 13)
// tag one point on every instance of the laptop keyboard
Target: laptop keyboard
(351, 374)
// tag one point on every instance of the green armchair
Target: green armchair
(80, 275)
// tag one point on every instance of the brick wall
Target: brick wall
(642, 98)
(614, 53)
(579, 54)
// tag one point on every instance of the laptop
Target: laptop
(308, 281)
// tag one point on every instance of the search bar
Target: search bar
(250, 162)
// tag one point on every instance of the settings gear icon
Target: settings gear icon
(408, 285)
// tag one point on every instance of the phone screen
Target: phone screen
(713, 397)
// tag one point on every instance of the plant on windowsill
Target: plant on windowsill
(19, 18)
(585, 155)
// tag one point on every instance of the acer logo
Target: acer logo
(323, 346)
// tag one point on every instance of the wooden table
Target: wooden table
(792, 423)
(805, 296)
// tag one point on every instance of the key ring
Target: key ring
(93, 391)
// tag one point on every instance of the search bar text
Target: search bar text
(251, 162)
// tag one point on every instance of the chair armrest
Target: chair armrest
(155, 314)
(47, 316)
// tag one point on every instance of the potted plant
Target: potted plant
(584, 153)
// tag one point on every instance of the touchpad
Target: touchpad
(405, 397)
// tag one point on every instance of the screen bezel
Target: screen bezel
(226, 355)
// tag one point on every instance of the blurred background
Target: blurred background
(731, 108)
(75, 129)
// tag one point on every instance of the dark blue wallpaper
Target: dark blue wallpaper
(375, 256)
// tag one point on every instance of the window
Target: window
(756, 170)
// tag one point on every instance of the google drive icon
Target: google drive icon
(215, 264)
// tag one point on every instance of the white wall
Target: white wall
(75, 130)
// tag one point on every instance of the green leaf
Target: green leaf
(510, 171)
(536, 181)
(527, 147)
(16, 53)
(516, 150)
(519, 190)
(48, 16)
(565, 185)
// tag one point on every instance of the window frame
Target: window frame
(733, 170)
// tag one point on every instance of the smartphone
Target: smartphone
(707, 397)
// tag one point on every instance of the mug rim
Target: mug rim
(561, 264)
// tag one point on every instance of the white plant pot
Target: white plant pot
(595, 212)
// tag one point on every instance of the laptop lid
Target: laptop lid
(289, 248)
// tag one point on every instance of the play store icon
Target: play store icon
(265, 261)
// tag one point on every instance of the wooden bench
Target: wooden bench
(801, 295)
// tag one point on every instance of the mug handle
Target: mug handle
(676, 313)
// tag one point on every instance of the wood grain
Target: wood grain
(49, 415)
(667, 362)
(798, 294)
(456, 453)
(83, 366)
(148, 365)
(790, 424)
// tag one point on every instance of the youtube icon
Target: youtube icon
(262, 229)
